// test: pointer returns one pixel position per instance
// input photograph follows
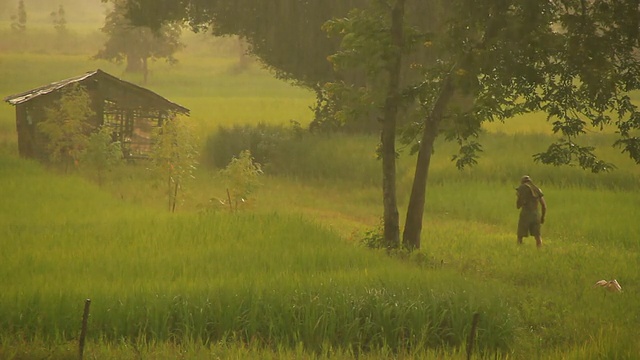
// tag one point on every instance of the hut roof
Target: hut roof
(97, 74)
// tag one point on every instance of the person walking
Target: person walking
(529, 196)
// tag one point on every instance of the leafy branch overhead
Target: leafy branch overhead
(576, 61)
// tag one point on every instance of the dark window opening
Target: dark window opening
(133, 128)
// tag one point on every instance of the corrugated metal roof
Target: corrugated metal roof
(46, 89)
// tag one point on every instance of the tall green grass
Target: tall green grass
(159, 278)
(154, 277)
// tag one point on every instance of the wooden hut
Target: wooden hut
(129, 110)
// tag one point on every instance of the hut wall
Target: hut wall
(25, 133)
(31, 142)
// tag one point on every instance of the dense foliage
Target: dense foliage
(67, 126)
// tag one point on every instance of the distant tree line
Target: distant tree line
(19, 18)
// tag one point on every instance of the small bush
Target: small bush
(102, 153)
(67, 126)
(241, 178)
(374, 238)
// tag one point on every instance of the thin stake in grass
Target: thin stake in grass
(472, 335)
(229, 199)
(83, 330)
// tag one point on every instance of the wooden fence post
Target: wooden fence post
(229, 199)
(472, 335)
(83, 330)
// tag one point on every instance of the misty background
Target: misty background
(77, 11)
(83, 33)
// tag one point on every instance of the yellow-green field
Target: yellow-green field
(286, 277)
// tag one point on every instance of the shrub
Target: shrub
(241, 178)
(67, 126)
(374, 238)
(292, 151)
(101, 153)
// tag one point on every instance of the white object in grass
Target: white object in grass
(612, 285)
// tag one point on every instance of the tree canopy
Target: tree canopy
(137, 44)
(285, 35)
(19, 20)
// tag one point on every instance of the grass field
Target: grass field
(287, 278)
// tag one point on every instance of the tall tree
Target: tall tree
(19, 20)
(59, 20)
(379, 41)
(137, 44)
(389, 124)
(382, 66)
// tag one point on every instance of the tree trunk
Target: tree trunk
(145, 69)
(388, 135)
(175, 197)
(415, 210)
(243, 58)
(134, 64)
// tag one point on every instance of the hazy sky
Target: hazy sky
(77, 11)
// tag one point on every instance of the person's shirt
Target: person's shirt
(529, 196)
